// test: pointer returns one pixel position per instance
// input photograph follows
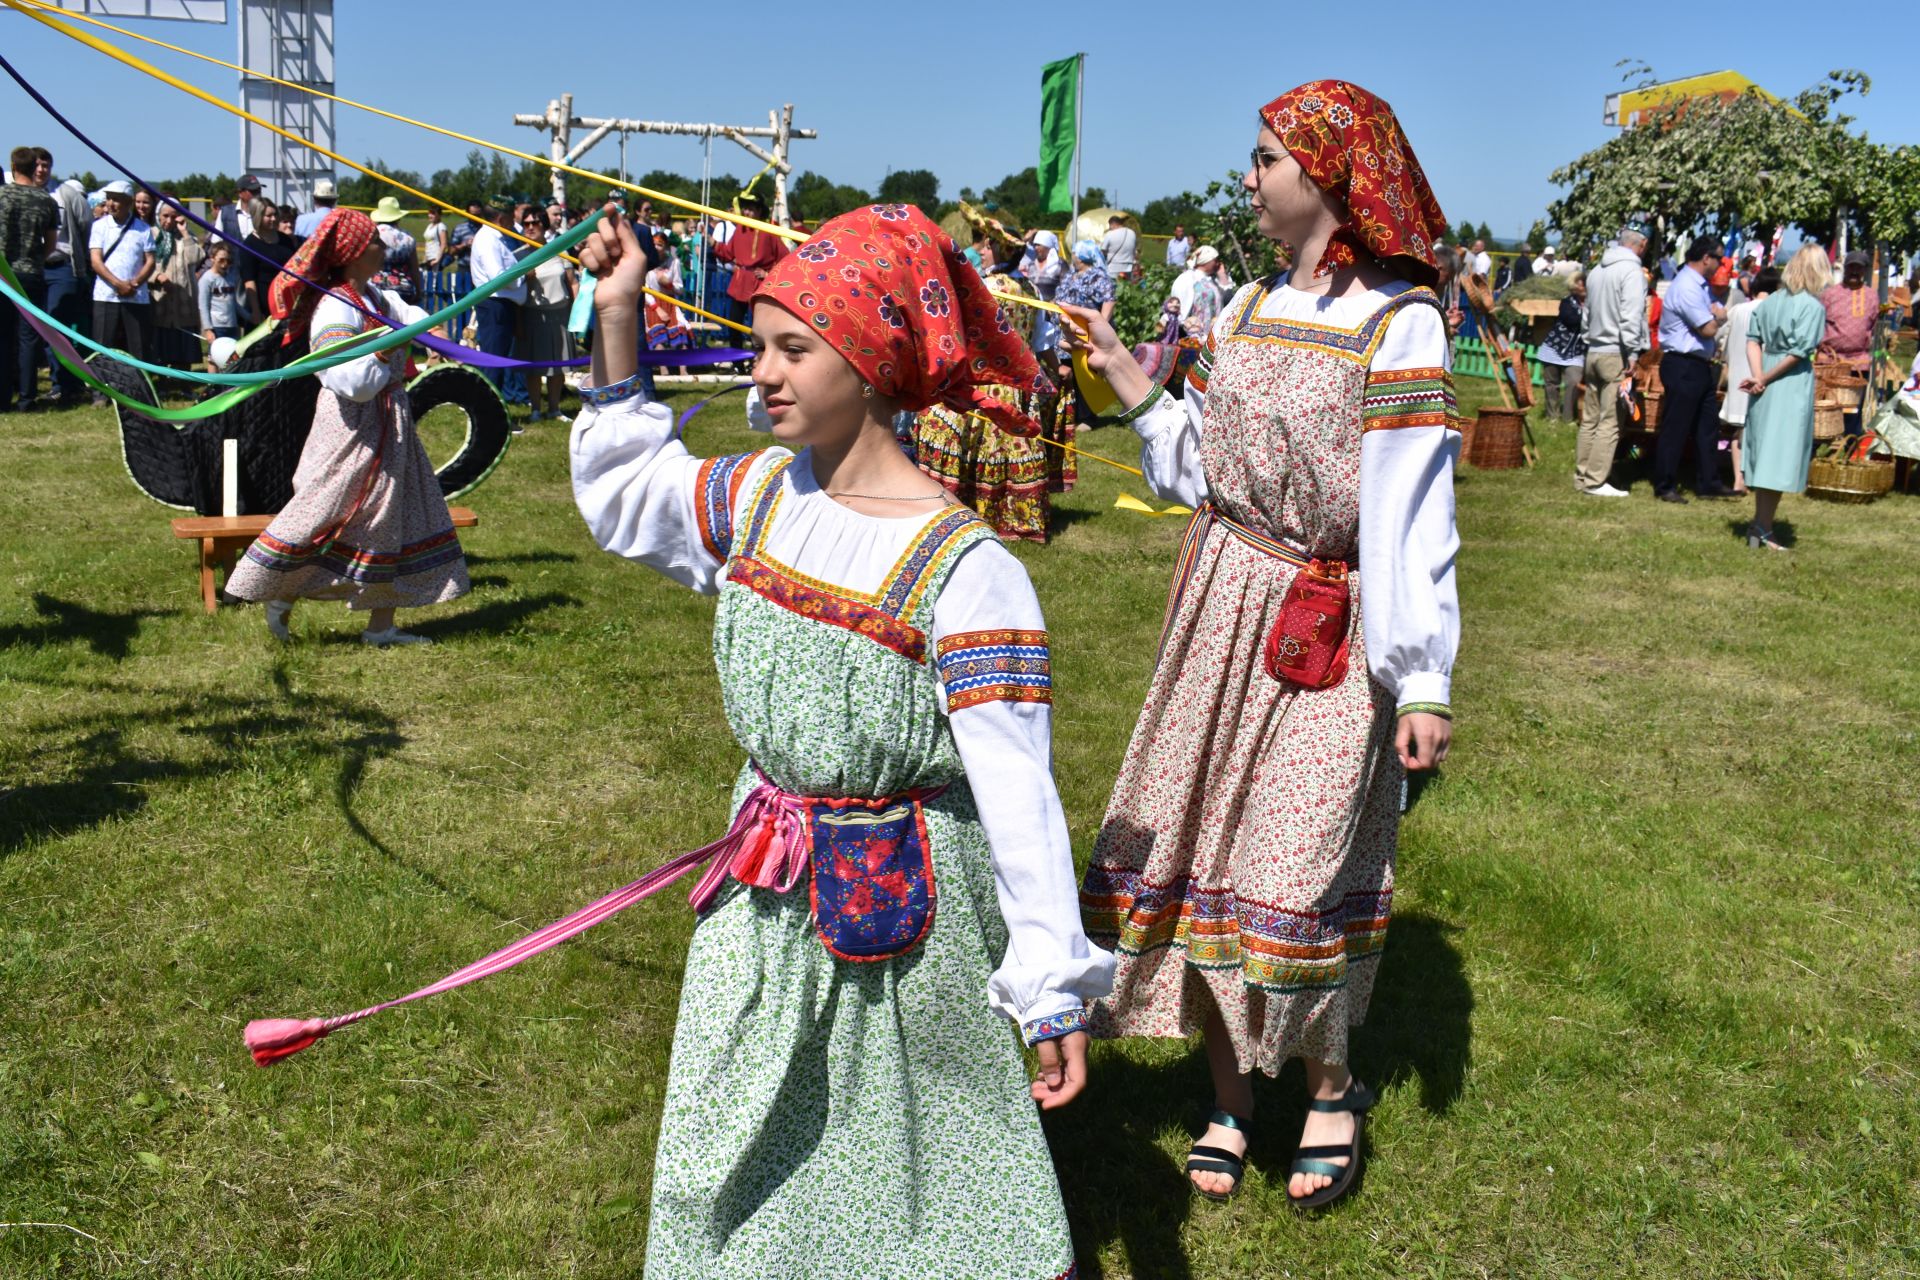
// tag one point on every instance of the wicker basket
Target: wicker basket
(1829, 420)
(1499, 440)
(1650, 416)
(1839, 383)
(1838, 480)
(1464, 426)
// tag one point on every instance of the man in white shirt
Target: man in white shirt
(1121, 247)
(120, 248)
(499, 315)
(1544, 264)
(1482, 260)
(236, 219)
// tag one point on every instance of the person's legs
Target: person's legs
(1685, 382)
(133, 324)
(65, 304)
(1739, 475)
(1550, 388)
(1326, 1081)
(1599, 434)
(493, 336)
(27, 344)
(1706, 441)
(1233, 1094)
(10, 324)
(1570, 395)
(1765, 503)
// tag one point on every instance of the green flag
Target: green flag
(1059, 132)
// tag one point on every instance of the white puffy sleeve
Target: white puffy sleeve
(646, 497)
(1408, 602)
(357, 380)
(990, 642)
(1170, 431)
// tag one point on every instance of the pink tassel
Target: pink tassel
(271, 1039)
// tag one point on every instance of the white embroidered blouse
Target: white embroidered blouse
(363, 379)
(635, 482)
(1408, 603)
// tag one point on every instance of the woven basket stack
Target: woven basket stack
(1838, 480)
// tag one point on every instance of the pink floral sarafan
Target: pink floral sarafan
(1351, 144)
(897, 300)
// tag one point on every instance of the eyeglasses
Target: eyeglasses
(1260, 160)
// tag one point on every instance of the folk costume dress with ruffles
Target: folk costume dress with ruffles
(363, 464)
(1002, 476)
(1246, 858)
(827, 1117)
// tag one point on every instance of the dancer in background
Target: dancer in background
(1000, 474)
(367, 524)
(1245, 868)
(847, 1095)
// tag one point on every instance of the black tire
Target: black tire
(488, 432)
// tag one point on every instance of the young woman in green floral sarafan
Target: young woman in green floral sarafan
(846, 1094)
(1244, 871)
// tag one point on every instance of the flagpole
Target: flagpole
(1079, 97)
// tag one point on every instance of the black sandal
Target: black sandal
(1206, 1159)
(1358, 1099)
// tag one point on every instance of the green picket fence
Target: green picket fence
(1471, 359)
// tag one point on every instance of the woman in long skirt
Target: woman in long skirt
(847, 1096)
(367, 523)
(1245, 868)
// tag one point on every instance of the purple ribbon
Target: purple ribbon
(686, 416)
(432, 341)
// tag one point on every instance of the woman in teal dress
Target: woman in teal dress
(1787, 328)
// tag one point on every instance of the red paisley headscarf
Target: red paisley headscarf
(894, 296)
(1349, 143)
(342, 236)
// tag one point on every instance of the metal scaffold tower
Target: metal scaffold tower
(559, 122)
(293, 40)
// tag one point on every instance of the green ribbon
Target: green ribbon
(243, 385)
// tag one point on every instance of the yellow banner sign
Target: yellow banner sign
(1639, 106)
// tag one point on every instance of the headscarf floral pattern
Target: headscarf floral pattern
(342, 236)
(894, 296)
(1350, 143)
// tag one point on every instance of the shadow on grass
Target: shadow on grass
(1420, 1023)
(108, 634)
(99, 773)
(496, 618)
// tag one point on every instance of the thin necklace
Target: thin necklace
(887, 497)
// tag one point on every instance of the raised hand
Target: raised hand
(618, 263)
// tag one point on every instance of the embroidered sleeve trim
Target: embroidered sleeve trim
(1407, 398)
(715, 492)
(1054, 1026)
(601, 397)
(1202, 367)
(1440, 709)
(333, 333)
(995, 666)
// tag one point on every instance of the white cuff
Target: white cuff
(1424, 686)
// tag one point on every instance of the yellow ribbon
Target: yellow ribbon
(544, 161)
(1127, 502)
(33, 9)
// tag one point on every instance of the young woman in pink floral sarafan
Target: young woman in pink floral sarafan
(1245, 867)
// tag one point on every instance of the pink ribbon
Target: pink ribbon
(766, 846)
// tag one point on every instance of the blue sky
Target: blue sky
(1169, 103)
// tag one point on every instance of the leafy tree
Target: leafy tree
(1161, 216)
(1463, 234)
(1537, 234)
(1018, 194)
(1483, 232)
(911, 186)
(1720, 166)
(814, 198)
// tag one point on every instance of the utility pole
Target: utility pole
(558, 121)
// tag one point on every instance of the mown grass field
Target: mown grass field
(1648, 1006)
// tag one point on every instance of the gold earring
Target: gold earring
(866, 391)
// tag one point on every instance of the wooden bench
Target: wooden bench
(224, 537)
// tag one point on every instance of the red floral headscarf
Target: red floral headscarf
(342, 236)
(894, 296)
(1349, 142)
